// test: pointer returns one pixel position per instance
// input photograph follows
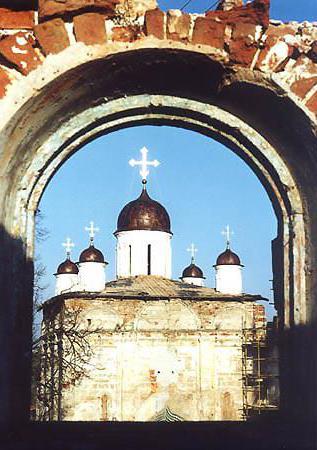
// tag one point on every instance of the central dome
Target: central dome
(144, 214)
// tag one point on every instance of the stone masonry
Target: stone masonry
(138, 357)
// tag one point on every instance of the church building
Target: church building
(146, 347)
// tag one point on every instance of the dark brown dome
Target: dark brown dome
(144, 214)
(67, 267)
(192, 271)
(91, 254)
(228, 258)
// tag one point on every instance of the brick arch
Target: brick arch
(74, 74)
(242, 37)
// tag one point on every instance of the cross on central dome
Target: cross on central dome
(144, 163)
(144, 213)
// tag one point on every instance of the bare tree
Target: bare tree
(39, 288)
(41, 235)
(64, 357)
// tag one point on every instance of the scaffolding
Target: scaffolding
(259, 371)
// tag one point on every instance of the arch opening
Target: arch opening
(159, 110)
(50, 143)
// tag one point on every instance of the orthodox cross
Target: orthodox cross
(227, 233)
(68, 246)
(144, 163)
(92, 231)
(192, 249)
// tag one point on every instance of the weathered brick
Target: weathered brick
(241, 53)
(209, 32)
(52, 36)
(124, 34)
(303, 86)
(154, 23)
(49, 8)
(178, 26)
(256, 12)
(4, 81)
(90, 28)
(16, 19)
(312, 103)
(242, 46)
(280, 30)
(246, 31)
(18, 50)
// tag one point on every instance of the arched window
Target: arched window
(130, 259)
(149, 259)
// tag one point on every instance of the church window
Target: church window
(149, 259)
(130, 259)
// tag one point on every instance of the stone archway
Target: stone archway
(198, 76)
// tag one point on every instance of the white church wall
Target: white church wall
(150, 355)
(132, 253)
(194, 281)
(229, 279)
(66, 282)
(92, 276)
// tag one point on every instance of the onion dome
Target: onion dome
(192, 271)
(228, 258)
(67, 267)
(91, 254)
(144, 214)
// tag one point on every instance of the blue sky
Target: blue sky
(285, 10)
(203, 185)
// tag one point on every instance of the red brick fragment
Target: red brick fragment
(256, 12)
(245, 31)
(125, 34)
(280, 30)
(18, 50)
(312, 103)
(243, 45)
(90, 28)
(154, 23)
(178, 26)
(49, 8)
(303, 86)
(241, 53)
(4, 81)
(209, 32)
(52, 36)
(11, 20)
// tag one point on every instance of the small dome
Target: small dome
(192, 271)
(144, 214)
(91, 254)
(228, 258)
(67, 267)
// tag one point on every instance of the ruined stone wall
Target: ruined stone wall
(241, 37)
(147, 357)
